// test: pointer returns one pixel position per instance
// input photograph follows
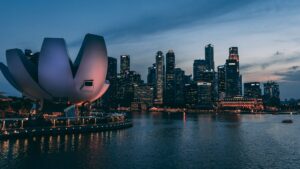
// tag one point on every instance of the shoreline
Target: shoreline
(224, 112)
(52, 131)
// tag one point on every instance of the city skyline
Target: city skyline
(258, 32)
(149, 84)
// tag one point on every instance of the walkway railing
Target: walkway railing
(41, 131)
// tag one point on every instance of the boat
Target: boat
(287, 121)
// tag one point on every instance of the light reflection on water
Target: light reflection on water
(171, 140)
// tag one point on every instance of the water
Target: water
(162, 140)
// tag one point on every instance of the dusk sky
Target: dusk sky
(266, 32)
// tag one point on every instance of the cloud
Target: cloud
(167, 17)
(294, 68)
(141, 27)
(277, 59)
(291, 74)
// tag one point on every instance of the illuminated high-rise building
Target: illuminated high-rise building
(143, 97)
(232, 74)
(109, 98)
(126, 85)
(199, 67)
(179, 86)
(252, 90)
(112, 69)
(209, 57)
(271, 94)
(234, 53)
(204, 95)
(151, 77)
(191, 95)
(221, 81)
(170, 79)
(159, 95)
(124, 64)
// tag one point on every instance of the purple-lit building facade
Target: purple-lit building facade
(56, 77)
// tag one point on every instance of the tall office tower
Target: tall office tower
(170, 79)
(109, 98)
(232, 77)
(135, 78)
(126, 85)
(199, 68)
(221, 81)
(271, 94)
(191, 94)
(112, 68)
(240, 85)
(234, 53)
(252, 90)
(151, 77)
(209, 57)
(143, 97)
(232, 74)
(159, 96)
(208, 76)
(125, 64)
(179, 87)
(204, 95)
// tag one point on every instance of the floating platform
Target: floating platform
(46, 131)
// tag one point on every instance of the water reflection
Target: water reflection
(75, 142)
(227, 118)
(171, 140)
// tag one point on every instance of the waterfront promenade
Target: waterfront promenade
(7, 133)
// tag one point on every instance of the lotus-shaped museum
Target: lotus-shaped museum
(55, 77)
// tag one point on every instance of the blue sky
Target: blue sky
(266, 32)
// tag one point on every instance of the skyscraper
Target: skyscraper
(170, 79)
(159, 78)
(126, 83)
(240, 85)
(151, 77)
(179, 86)
(232, 78)
(109, 98)
(209, 57)
(234, 53)
(125, 64)
(191, 94)
(232, 74)
(143, 97)
(271, 94)
(199, 68)
(112, 68)
(221, 82)
(252, 90)
(207, 76)
(204, 96)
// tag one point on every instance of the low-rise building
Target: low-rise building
(241, 104)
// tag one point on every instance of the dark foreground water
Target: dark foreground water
(162, 140)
